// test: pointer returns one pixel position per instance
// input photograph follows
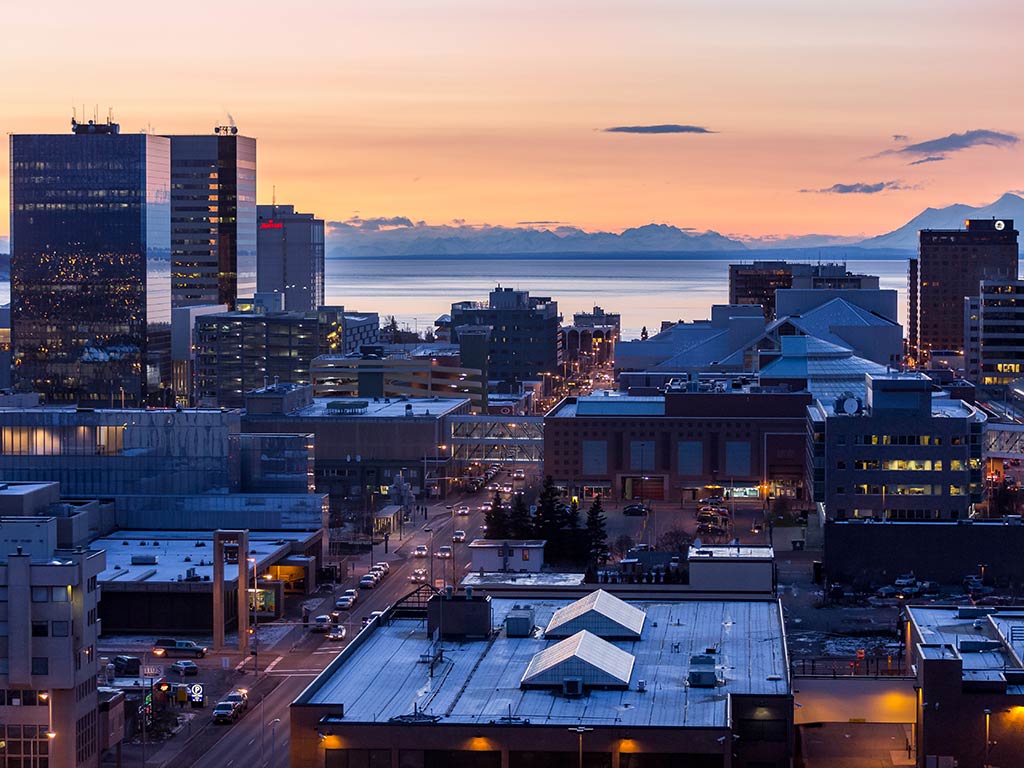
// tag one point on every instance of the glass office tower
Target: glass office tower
(213, 218)
(90, 265)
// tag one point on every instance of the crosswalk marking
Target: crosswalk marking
(274, 663)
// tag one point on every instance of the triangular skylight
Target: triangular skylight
(601, 613)
(585, 657)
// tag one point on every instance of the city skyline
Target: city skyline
(793, 119)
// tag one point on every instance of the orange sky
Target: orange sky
(490, 110)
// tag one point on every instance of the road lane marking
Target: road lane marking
(273, 664)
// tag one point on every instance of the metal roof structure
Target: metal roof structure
(600, 613)
(383, 674)
(584, 657)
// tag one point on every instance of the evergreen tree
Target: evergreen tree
(497, 520)
(597, 533)
(643, 333)
(520, 523)
(547, 523)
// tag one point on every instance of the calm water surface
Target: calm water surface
(643, 291)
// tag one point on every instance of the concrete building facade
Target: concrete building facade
(902, 453)
(49, 613)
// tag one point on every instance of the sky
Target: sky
(791, 116)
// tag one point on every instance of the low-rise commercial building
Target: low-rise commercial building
(625, 685)
(362, 446)
(902, 453)
(162, 581)
(970, 684)
(494, 555)
(672, 446)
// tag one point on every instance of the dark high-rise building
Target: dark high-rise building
(756, 283)
(213, 218)
(951, 264)
(290, 248)
(237, 352)
(523, 343)
(90, 265)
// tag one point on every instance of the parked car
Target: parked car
(709, 529)
(886, 592)
(367, 582)
(344, 603)
(459, 536)
(711, 500)
(930, 588)
(336, 634)
(383, 566)
(183, 668)
(373, 615)
(420, 551)
(127, 666)
(239, 697)
(225, 712)
(444, 552)
(905, 580)
(462, 510)
(634, 510)
(321, 624)
(418, 576)
(168, 647)
(380, 574)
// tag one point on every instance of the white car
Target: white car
(383, 566)
(462, 510)
(367, 582)
(420, 551)
(344, 602)
(458, 537)
(321, 624)
(444, 552)
(418, 576)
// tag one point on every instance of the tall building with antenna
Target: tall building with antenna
(213, 218)
(90, 265)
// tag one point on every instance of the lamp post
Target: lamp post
(430, 553)
(988, 735)
(255, 623)
(273, 741)
(579, 730)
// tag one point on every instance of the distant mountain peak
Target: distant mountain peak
(1009, 206)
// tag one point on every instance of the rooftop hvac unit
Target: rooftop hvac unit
(519, 622)
(702, 672)
(143, 559)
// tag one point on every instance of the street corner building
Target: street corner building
(471, 681)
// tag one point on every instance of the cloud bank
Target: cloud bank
(859, 188)
(667, 128)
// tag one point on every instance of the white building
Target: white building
(522, 556)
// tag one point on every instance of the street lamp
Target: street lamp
(273, 741)
(255, 622)
(580, 730)
(988, 734)
(50, 733)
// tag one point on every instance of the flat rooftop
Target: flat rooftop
(479, 680)
(610, 404)
(421, 407)
(171, 549)
(742, 552)
(988, 641)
